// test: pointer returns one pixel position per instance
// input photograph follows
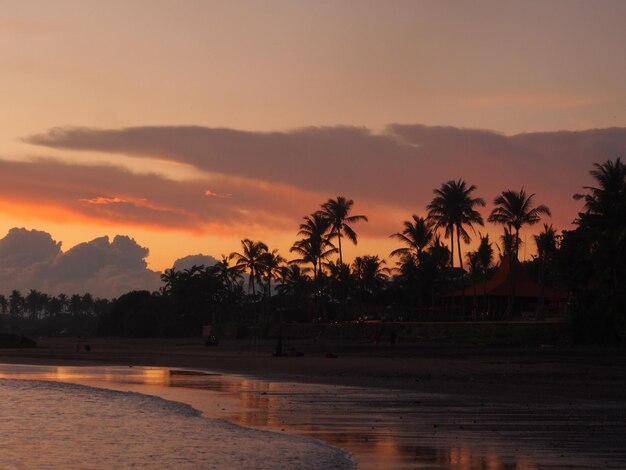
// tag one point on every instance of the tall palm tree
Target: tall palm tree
(514, 209)
(251, 259)
(416, 236)
(337, 213)
(454, 210)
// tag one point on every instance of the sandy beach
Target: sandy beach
(404, 406)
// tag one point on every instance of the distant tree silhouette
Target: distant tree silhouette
(229, 274)
(16, 303)
(546, 243)
(485, 258)
(592, 257)
(370, 274)
(340, 285)
(314, 247)
(271, 268)
(294, 286)
(473, 262)
(4, 305)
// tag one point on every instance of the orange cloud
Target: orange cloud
(397, 169)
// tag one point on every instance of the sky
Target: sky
(184, 127)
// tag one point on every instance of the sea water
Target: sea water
(48, 425)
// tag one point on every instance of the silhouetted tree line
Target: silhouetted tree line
(592, 258)
(257, 285)
(37, 313)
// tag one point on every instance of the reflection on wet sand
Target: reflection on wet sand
(382, 428)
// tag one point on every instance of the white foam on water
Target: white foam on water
(52, 425)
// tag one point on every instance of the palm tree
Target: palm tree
(473, 262)
(337, 213)
(64, 301)
(230, 275)
(606, 203)
(439, 253)
(485, 257)
(370, 273)
(293, 280)
(507, 240)
(294, 284)
(454, 209)
(546, 243)
(340, 285)
(416, 236)
(603, 224)
(514, 209)
(314, 247)
(169, 277)
(272, 264)
(251, 259)
(16, 303)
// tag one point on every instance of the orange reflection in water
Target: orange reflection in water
(377, 437)
(134, 375)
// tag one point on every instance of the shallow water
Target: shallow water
(58, 425)
(382, 428)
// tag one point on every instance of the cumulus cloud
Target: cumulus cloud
(194, 260)
(396, 168)
(21, 247)
(31, 259)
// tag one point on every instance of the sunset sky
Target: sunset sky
(188, 126)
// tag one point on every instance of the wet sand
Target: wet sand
(408, 406)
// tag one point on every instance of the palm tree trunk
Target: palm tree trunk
(316, 293)
(513, 276)
(542, 280)
(252, 282)
(452, 249)
(475, 301)
(339, 243)
(451, 312)
(485, 309)
(458, 243)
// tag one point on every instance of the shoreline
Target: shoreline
(445, 396)
(507, 372)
